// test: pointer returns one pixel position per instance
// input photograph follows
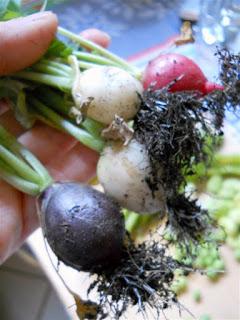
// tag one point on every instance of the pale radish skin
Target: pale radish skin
(112, 91)
(122, 171)
(25, 40)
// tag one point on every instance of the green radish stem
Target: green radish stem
(52, 100)
(226, 165)
(59, 82)
(20, 167)
(225, 170)
(233, 159)
(10, 177)
(57, 102)
(99, 50)
(17, 148)
(64, 125)
(52, 70)
(86, 65)
(93, 127)
(57, 63)
(96, 59)
(56, 73)
(13, 85)
(131, 221)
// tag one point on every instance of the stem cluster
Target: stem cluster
(44, 92)
(19, 167)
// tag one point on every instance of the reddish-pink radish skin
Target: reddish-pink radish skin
(24, 40)
(212, 86)
(166, 68)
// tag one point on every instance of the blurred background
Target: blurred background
(140, 29)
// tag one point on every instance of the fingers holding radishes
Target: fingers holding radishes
(144, 171)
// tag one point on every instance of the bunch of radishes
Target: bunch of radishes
(96, 96)
(103, 94)
(92, 219)
(123, 170)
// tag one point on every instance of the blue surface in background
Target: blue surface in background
(134, 25)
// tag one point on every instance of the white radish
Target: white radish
(122, 171)
(107, 91)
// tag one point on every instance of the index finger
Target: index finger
(25, 40)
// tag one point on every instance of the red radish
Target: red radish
(168, 67)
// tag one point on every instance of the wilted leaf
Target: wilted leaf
(85, 309)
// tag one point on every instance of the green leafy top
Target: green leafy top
(10, 9)
(58, 49)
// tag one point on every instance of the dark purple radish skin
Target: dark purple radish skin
(167, 68)
(83, 226)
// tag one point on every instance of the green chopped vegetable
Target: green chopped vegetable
(180, 284)
(58, 49)
(205, 317)
(237, 254)
(214, 184)
(197, 296)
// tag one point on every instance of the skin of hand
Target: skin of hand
(65, 158)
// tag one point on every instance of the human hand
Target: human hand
(65, 158)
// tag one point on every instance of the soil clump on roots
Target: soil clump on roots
(181, 132)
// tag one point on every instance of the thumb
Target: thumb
(25, 40)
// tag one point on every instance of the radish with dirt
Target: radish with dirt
(178, 71)
(149, 147)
